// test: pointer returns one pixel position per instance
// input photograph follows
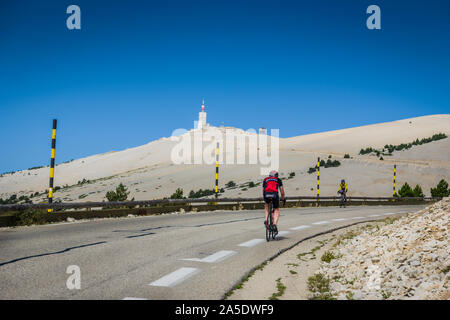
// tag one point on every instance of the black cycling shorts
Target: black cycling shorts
(272, 196)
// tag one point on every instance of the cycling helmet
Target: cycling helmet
(342, 181)
(273, 173)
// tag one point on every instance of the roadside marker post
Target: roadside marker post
(216, 190)
(52, 164)
(395, 173)
(318, 179)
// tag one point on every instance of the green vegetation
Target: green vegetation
(403, 146)
(251, 184)
(292, 272)
(319, 285)
(121, 194)
(349, 235)
(202, 193)
(312, 252)
(291, 175)
(13, 199)
(328, 164)
(407, 191)
(441, 189)
(39, 167)
(245, 279)
(281, 288)
(230, 184)
(385, 294)
(178, 194)
(346, 156)
(80, 183)
(328, 256)
(31, 216)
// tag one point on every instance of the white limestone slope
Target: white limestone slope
(149, 173)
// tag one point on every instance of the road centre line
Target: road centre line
(214, 258)
(174, 278)
(251, 243)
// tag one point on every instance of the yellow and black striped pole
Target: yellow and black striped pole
(216, 190)
(318, 177)
(395, 173)
(52, 165)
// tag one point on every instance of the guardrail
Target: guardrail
(147, 203)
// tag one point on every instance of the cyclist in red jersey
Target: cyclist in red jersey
(271, 184)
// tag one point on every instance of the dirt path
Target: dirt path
(286, 277)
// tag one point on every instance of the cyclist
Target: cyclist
(270, 193)
(343, 188)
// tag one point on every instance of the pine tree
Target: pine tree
(418, 192)
(406, 191)
(441, 189)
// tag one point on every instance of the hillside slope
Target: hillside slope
(149, 173)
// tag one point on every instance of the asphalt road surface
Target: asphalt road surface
(174, 256)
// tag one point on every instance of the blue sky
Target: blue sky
(138, 69)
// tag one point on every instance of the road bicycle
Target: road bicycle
(343, 199)
(270, 233)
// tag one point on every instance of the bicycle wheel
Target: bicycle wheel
(269, 223)
(273, 232)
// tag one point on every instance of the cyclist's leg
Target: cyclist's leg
(276, 215)
(276, 207)
(266, 211)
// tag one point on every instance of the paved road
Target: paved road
(189, 256)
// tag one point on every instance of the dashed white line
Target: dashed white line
(320, 222)
(356, 218)
(374, 215)
(283, 233)
(388, 213)
(339, 219)
(214, 258)
(251, 243)
(300, 227)
(131, 298)
(174, 278)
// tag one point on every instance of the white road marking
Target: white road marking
(388, 213)
(300, 227)
(320, 222)
(283, 233)
(216, 257)
(339, 219)
(374, 215)
(251, 243)
(355, 218)
(131, 298)
(174, 278)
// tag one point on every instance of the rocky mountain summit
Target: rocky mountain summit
(406, 258)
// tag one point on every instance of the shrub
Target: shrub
(251, 184)
(406, 191)
(230, 184)
(346, 156)
(121, 194)
(291, 175)
(202, 193)
(30, 216)
(418, 191)
(178, 194)
(441, 189)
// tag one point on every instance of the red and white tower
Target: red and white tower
(202, 117)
